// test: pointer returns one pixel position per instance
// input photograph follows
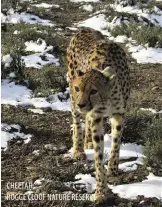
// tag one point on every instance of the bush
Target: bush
(143, 34)
(48, 80)
(15, 47)
(153, 146)
(17, 5)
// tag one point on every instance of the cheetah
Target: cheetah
(99, 87)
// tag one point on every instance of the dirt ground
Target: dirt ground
(51, 135)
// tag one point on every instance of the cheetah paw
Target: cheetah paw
(79, 155)
(97, 198)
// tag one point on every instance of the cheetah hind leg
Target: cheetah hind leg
(88, 135)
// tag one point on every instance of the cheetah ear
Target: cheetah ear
(79, 73)
(109, 72)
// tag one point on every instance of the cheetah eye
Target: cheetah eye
(93, 92)
(76, 88)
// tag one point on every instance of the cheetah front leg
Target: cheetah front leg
(116, 128)
(78, 141)
(88, 135)
(98, 144)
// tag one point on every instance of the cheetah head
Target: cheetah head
(92, 88)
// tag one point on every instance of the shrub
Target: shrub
(143, 34)
(153, 146)
(15, 47)
(48, 80)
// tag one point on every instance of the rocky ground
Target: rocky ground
(41, 160)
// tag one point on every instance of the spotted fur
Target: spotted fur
(99, 87)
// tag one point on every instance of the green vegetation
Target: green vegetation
(153, 146)
(53, 127)
(15, 47)
(46, 81)
(145, 128)
(143, 34)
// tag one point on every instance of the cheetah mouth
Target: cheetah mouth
(85, 110)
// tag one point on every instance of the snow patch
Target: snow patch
(20, 95)
(130, 166)
(7, 60)
(38, 182)
(100, 23)
(145, 55)
(38, 60)
(87, 7)
(36, 152)
(119, 38)
(38, 46)
(45, 5)
(127, 150)
(148, 188)
(15, 18)
(37, 111)
(156, 19)
(85, 180)
(76, 1)
(151, 110)
(16, 32)
(72, 28)
(7, 134)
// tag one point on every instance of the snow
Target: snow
(87, 7)
(3, 18)
(16, 32)
(7, 60)
(12, 75)
(156, 19)
(145, 55)
(148, 188)
(29, 192)
(45, 5)
(37, 111)
(140, 53)
(87, 180)
(119, 38)
(13, 94)
(72, 28)
(20, 95)
(15, 18)
(127, 150)
(7, 134)
(96, 22)
(149, 109)
(39, 181)
(38, 60)
(100, 23)
(130, 166)
(39, 46)
(76, 1)
(36, 152)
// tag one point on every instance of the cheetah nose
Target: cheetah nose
(81, 105)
